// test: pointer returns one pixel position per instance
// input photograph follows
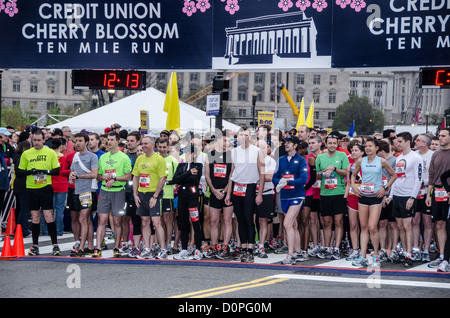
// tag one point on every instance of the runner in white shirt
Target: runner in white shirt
(408, 168)
(423, 212)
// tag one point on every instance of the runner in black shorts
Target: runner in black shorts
(217, 174)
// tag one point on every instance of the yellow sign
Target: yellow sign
(265, 118)
(144, 122)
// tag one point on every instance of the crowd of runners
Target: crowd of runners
(235, 195)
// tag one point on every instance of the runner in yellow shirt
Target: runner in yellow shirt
(149, 177)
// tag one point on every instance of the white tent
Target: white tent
(126, 112)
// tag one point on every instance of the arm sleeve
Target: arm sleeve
(313, 179)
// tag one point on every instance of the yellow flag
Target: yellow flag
(310, 118)
(301, 115)
(172, 104)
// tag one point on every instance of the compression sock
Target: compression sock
(35, 231)
(52, 232)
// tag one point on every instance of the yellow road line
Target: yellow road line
(231, 288)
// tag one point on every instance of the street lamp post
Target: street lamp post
(427, 113)
(254, 96)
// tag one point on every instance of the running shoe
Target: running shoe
(281, 250)
(435, 263)
(360, 262)
(88, 251)
(97, 253)
(248, 258)
(300, 257)
(394, 256)
(210, 253)
(288, 260)
(183, 255)
(162, 254)
(104, 246)
(335, 254)
(223, 254)
(76, 246)
(134, 252)
(314, 251)
(324, 253)
(444, 267)
(117, 253)
(34, 250)
(198, 255)
(353, 255)
(416, 256)
(145, 254)
(376, 262)
(425, 257)
(56, 251)
(406, 260)
(78, 253)
(383, 256)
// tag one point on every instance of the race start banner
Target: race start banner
(223, 34)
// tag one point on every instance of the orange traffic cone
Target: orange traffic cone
(18, 248)
(6, 250)
(11, 225)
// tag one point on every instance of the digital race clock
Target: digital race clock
(109, 79)
(435, 76)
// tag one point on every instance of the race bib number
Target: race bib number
(422, 193)
(85, 199)
(239, 189)
(144, 180)
(440, 195)
(317, 184)
(220, 170)
(111, 172)
(288, 177)
(331, 183)
(351, 192)
(193, 214)
(367, 188)
(40, 178)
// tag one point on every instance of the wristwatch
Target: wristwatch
(386, 188)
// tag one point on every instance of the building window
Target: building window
(51, 87)
(33, 104)
(299, 95)
(353, 84)
(51, 105)
(331, 97)
(259, 78)
(331, 115)
(365, 93)
(242, 94)
(259, 94)
(316, 115)
(16, 103)
(316, 80)
(354, 92)
(194, 77)
(378, 84)
(33, 87)
(242, 112)
(366, 84)
(333, 80)
(16, 86)
(316, 97)
(300, 79)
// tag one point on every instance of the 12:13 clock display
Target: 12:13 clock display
(109, 79)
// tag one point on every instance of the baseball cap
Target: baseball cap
(4, 131)
(337, 134)
(293, 139)
(114, 126)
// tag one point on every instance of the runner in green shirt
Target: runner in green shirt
(167, 202)
(331, 167)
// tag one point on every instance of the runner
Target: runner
(83, 175)
(264, 211)
(217, 174)
(332, 169)
(39, 164)
(444, 265)
(290, 177)
(114, 170)
(423, 212)
(246, 174)
(408, 168)
(370, 194)
(437, 197)
(356, 153)
(149, 177)
(187, 177)
(167, 202)
(312, 196)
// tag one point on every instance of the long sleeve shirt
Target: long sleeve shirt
(295, 169)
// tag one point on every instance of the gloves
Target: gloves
(283, 182)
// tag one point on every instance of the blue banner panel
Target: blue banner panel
(281, 34)
(373, 33)
(105, 34)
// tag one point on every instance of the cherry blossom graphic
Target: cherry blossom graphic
(2, 5)
(319, 5)
(303, 4)
(343, 3)
(232, 6)
(11, 8)
(285, 5)
(203, 5)
(189, 8)
(358, 5)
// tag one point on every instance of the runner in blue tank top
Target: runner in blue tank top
(370, 193)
